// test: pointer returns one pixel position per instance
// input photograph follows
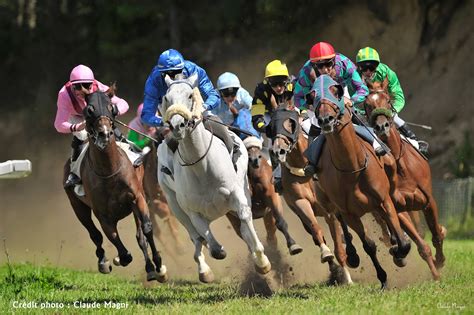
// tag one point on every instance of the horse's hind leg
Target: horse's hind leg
(84, 214)
(369, 246)
(423, 248)
(282, 225)
(205, 273)
(438, 232)
(110, 229)
(144, 228)
(343, 277)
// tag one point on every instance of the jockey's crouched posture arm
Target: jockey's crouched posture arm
(274, 90)
(71, 101)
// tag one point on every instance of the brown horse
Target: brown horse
(113, 190)
(266, 203)
(157, 201)
(352, 179)
(289, 144)
(414, 173)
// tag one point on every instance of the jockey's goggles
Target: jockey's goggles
(172, 73)
(364, 66)
(229, 92)
(79, 86)
(328, 63)
(277, 83)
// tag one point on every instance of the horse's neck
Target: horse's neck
(347, 151)
(394, 142)
(196, 143)
(107, 161)
(296, 157)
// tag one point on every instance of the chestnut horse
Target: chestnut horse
(352, 179)
(266, 203)
(414, 173)
(157, 201)
(289, 144)
(113, 190)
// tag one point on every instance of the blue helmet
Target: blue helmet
(170, 59)
(227, 80)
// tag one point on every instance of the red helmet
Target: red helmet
(321, 51)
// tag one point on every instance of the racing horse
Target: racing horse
(414, 173)
(352, 179)
(113, 189)
(201, 183)
(289, 145)
(266, 203)
(156, 199)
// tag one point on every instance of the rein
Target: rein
(366, 163)
(205, 153)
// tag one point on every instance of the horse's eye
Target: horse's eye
(190, 96)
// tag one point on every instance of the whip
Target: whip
(419, 125)
(139, 132)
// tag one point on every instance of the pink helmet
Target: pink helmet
(139, 110)
(81, 74)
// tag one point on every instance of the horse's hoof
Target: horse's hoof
(206, 277)
(400, 262)
(326, 257)
(152, 275)
(162, 274)
(265, 269)
(439, 263)
(105, 267)
(218, 254)
(353, 261)
(116, 261)
(384, 286)
(295, 249)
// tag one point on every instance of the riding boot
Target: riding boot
(277, 183)
(235, 154)
(119, 136)
(73, 179)
(139, 160)
(313, 154)
(407, 132)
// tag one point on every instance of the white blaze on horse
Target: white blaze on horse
(204, 184)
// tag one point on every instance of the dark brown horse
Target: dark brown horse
(266, 203)
(157, 201)
(414, 173)
(352, 179)
(113, 189)
(289, 144)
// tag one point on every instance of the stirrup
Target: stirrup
(278, 185)
(380, 151)
(72, 180)
(423, 146)
(309, 170)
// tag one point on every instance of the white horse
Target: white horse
(204, 184)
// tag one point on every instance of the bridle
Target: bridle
(194, 123)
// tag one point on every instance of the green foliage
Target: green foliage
(463, 158)
(46, 284)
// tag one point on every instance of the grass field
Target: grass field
(56, 290)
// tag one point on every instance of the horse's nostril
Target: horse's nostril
(182, 125)
(386, 125)
(282, 151)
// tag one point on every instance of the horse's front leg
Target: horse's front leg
(202, 227)
(205, 273)
(110, 229)
(145, 229)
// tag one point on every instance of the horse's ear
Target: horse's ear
(112, 89)
(89, 110)
(168, 80)
(193, 80)
(369, 84)
(385, 84)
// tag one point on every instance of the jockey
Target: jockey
(275, 89)
(235, 105)
(171, 63)
(137, 124)
(324, 60)
(372, 70)
(71, 101)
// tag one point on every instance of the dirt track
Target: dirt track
(39, 226)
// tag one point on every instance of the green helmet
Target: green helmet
(367, 54)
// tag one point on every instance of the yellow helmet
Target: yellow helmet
(276, 68)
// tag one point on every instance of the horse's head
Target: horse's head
(285, 129)
(378, 108)
(328, 102)
(254, 149)
(181, 104)
(100, 114)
